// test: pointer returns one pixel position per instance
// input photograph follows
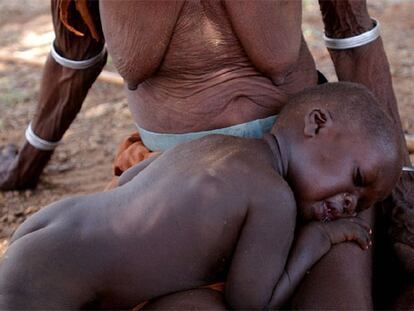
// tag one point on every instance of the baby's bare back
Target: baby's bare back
(175, 226)
(185, 211)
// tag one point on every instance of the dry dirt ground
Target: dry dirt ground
(82, 164)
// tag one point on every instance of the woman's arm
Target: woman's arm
(368, 65)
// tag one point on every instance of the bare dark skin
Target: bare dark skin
(236, 68)
(210, 210)
(235, 81)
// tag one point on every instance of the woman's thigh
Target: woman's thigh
(342, 279)
(195, 299)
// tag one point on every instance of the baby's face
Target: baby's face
(341, 178)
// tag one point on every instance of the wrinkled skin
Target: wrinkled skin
(202, 95)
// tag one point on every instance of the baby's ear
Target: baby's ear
(315, 120)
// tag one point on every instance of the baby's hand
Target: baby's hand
(348, 229)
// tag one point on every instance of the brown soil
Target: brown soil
(82, 164)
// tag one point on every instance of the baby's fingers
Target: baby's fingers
(362, 236)
(349, 229)
(363, 223)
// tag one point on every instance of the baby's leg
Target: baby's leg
(46, 266)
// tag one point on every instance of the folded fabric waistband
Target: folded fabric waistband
(163, 141)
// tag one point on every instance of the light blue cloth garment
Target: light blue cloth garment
(163, 141)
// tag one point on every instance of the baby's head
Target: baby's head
(341, 152)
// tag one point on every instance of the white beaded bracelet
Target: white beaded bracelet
(38, 142)
(355, 41)
(76, 64)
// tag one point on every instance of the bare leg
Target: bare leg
(36, 274)
(62, 92)
(195, 299)
(342, 279)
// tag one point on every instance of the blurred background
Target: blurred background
(83, 162)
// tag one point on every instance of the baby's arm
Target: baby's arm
(261, 274)
(312, 242)
(262, 250)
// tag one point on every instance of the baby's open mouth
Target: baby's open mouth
(326, 211)
(327, 214)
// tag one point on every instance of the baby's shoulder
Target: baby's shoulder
(272, 191)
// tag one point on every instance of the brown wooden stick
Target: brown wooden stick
(106, 76)
(409, 138)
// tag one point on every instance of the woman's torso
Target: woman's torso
(204, 79)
